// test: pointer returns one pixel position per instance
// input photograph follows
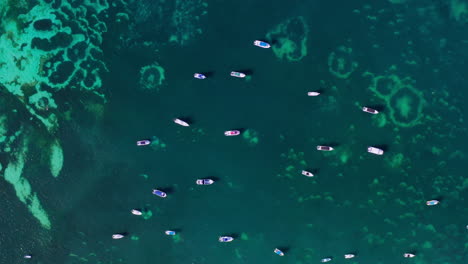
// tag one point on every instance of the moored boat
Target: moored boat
(225, 239)
(325, 148)
(136, 212)
(238, 74)
(180, 122)
(199, 76)
(232, 133)
(278, 252)
(409, 255)
(159, 193)
(349, 256)
(170, 232)
(262, 44)
(326, 260)
(313, 93)
(117, 236)
(205, 181)
(307, 173)
(370, 110)
(432, 202)
(143, 142)
(375, 150)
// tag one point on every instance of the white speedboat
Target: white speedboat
(27, 256)
(238, 74)
(278, 252)
(262, 44)
(313, 93)
(325, 148)
(232, 133)
(225, 239)
(117, 236)
(409, 255)
(136, 212)
(143, 142)
(170, 232)
(307, 173)
(199, 76)
(370, 110)
(349, 256)
(375, 150)
(326, 260)
(181, 122)
(159, 193)
(205, 181)
(432, 202)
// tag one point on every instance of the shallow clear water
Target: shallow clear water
(405, 58)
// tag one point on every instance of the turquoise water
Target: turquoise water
(82, 81)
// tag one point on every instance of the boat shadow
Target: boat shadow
(168, 190)
(383, 147)
(247, 71)
(208, 74)
(378, 107)
(187, 119)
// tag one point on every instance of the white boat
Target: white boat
(238, 74)
(307, 173)
(225, 239)
(325, 148)
(170, 232)
(409, 255)
(375, 150)
(117, 236)
(232, 133)
(205, 181)
(432, 202)
(143, 142)
(262, 44)
(27, 256)
(278, 252)
(349, 256)
(181, 122)
(370, 110)
(136, 212)
(199, 76)
(313, 93)
(325, 259)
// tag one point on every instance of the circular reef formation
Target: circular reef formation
(290, 39)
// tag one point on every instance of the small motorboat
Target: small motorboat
(144, 142)
(307, 173)
(27, 256)
(262, 44)
(170, 232)
(325, 259)
(375, 150)
(225, 239)
(349, 256)
(159, 193)
(181, 122)
(313, 93)
(325, 148)
(136, 212)
(117, 236)
(278, 252)
(370, 110)
(205, 181)
(432, 202)
(199, 76)
(232, 133)
(238, 74)
(409, 255)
